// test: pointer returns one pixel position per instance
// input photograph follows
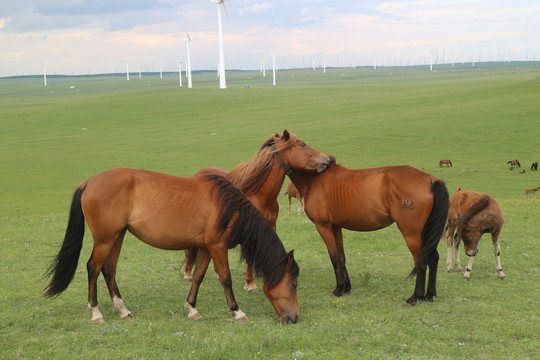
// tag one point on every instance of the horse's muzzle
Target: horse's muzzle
(289, 319)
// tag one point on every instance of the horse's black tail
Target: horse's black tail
(434, 226)
(62, 268)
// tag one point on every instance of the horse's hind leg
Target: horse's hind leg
(497, 252)
(191, 255)
(201, 265)
(449, 246)
(414, 243)
(457, 259)
(98, 258)
(433, 262)
(250, 285)
(109, 273)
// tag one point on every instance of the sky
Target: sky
(77, 37)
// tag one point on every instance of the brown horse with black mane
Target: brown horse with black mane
(372, 199)
(261, 180)
(514, 163)
(173, 213)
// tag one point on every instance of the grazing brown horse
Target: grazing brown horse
(292, 192)
(531, 191)
(372, 199)
(173, 213)
(448, 163)
(472, 214)
(514, 163)
(261, 180)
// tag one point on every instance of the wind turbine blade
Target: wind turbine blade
(227, 14)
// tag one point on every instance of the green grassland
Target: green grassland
(54, 137)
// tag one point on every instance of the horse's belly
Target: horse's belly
(367, 222)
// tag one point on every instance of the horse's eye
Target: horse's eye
(304, 145)
(294, 285)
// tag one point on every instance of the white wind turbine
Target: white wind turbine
(188, 65)
(127, 69)
(273, 53)
(180, 72)
(45, 74)
(221, 66)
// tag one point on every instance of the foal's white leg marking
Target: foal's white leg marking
(467, 274)
(193, 313)
(457, 260)
(498, 266)
(449, 256)
(96, 314)
(118, 305)
(240, 316)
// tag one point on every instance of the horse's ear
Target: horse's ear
(276, 135)
(290, 257)
(286, 135)
(458, 189)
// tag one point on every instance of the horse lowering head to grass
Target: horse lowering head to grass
(173, 213)
(471, 215)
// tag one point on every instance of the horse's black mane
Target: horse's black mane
(261, 247)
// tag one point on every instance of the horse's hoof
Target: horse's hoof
(251, 288)
(188, 279)
(337, 293)
(126, 316)
(450, 270)
(196, 316)
(503, 277)
(243, 318)
(99, 320)
(466, 278)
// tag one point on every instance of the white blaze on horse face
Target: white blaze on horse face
(96, 314)
(118, 305)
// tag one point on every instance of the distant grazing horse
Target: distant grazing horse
(261, 180)
(173, 213)
(514, 163)
(534, 166)
(531, 191)
(472, 214)
(448, 163)
(372, 199)
(293, 192)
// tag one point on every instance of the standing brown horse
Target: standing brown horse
(292, 192)
(261, 180)
(448, 163)
(514, 163)
(372, 199)
(473, 214)
(173, 213)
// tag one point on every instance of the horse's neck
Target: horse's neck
(265, 199)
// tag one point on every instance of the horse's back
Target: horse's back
(465, 199)
(162, 210)
(370, 199)
(212, 171)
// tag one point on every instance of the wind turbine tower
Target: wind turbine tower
(188, 66)
(274, 68)
(45, 74)
(180, 72)
(221, 66)
(127, 69)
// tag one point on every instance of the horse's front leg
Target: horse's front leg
(497, 252)
(201, 265)
(221, 265)
(333, 239)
